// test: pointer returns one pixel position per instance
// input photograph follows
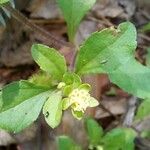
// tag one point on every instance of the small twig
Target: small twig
(54, 42)
(145, 14)
(143, 47)
(73, 60)
(145, 37)
(105, 20)
(129, 115)
(109, 112)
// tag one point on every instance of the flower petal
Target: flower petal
(93, 102)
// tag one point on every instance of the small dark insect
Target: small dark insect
(47, 114)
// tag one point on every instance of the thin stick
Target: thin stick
(109, 112)
(53, 41)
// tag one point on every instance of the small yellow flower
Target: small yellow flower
(79, 99)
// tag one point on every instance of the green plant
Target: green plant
(55, 90)
(59, 87)
(116, 139)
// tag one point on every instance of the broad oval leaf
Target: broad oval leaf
(74, 11)
(20, 117)
(107, 50)
(111, 51)
(52, 109)
(15, 93)
(49, 60)
(66, 143)
(94, 131)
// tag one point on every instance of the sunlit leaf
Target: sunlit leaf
(49, 60)
(21, 116)
(52, 109)
(15, 93)
(111, 51)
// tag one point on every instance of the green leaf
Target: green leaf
(111, 51)
(21, 116)
(52, 109)
(3, 1)
(65, 143)
(143, 110)
(119, 139)
(106, 50)
(94, 131)
(15, 93)
(74, 11)
(49, 60)
(130, 135)
(114, 140)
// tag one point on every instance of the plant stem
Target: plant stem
(53, 41)
(72, 62)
